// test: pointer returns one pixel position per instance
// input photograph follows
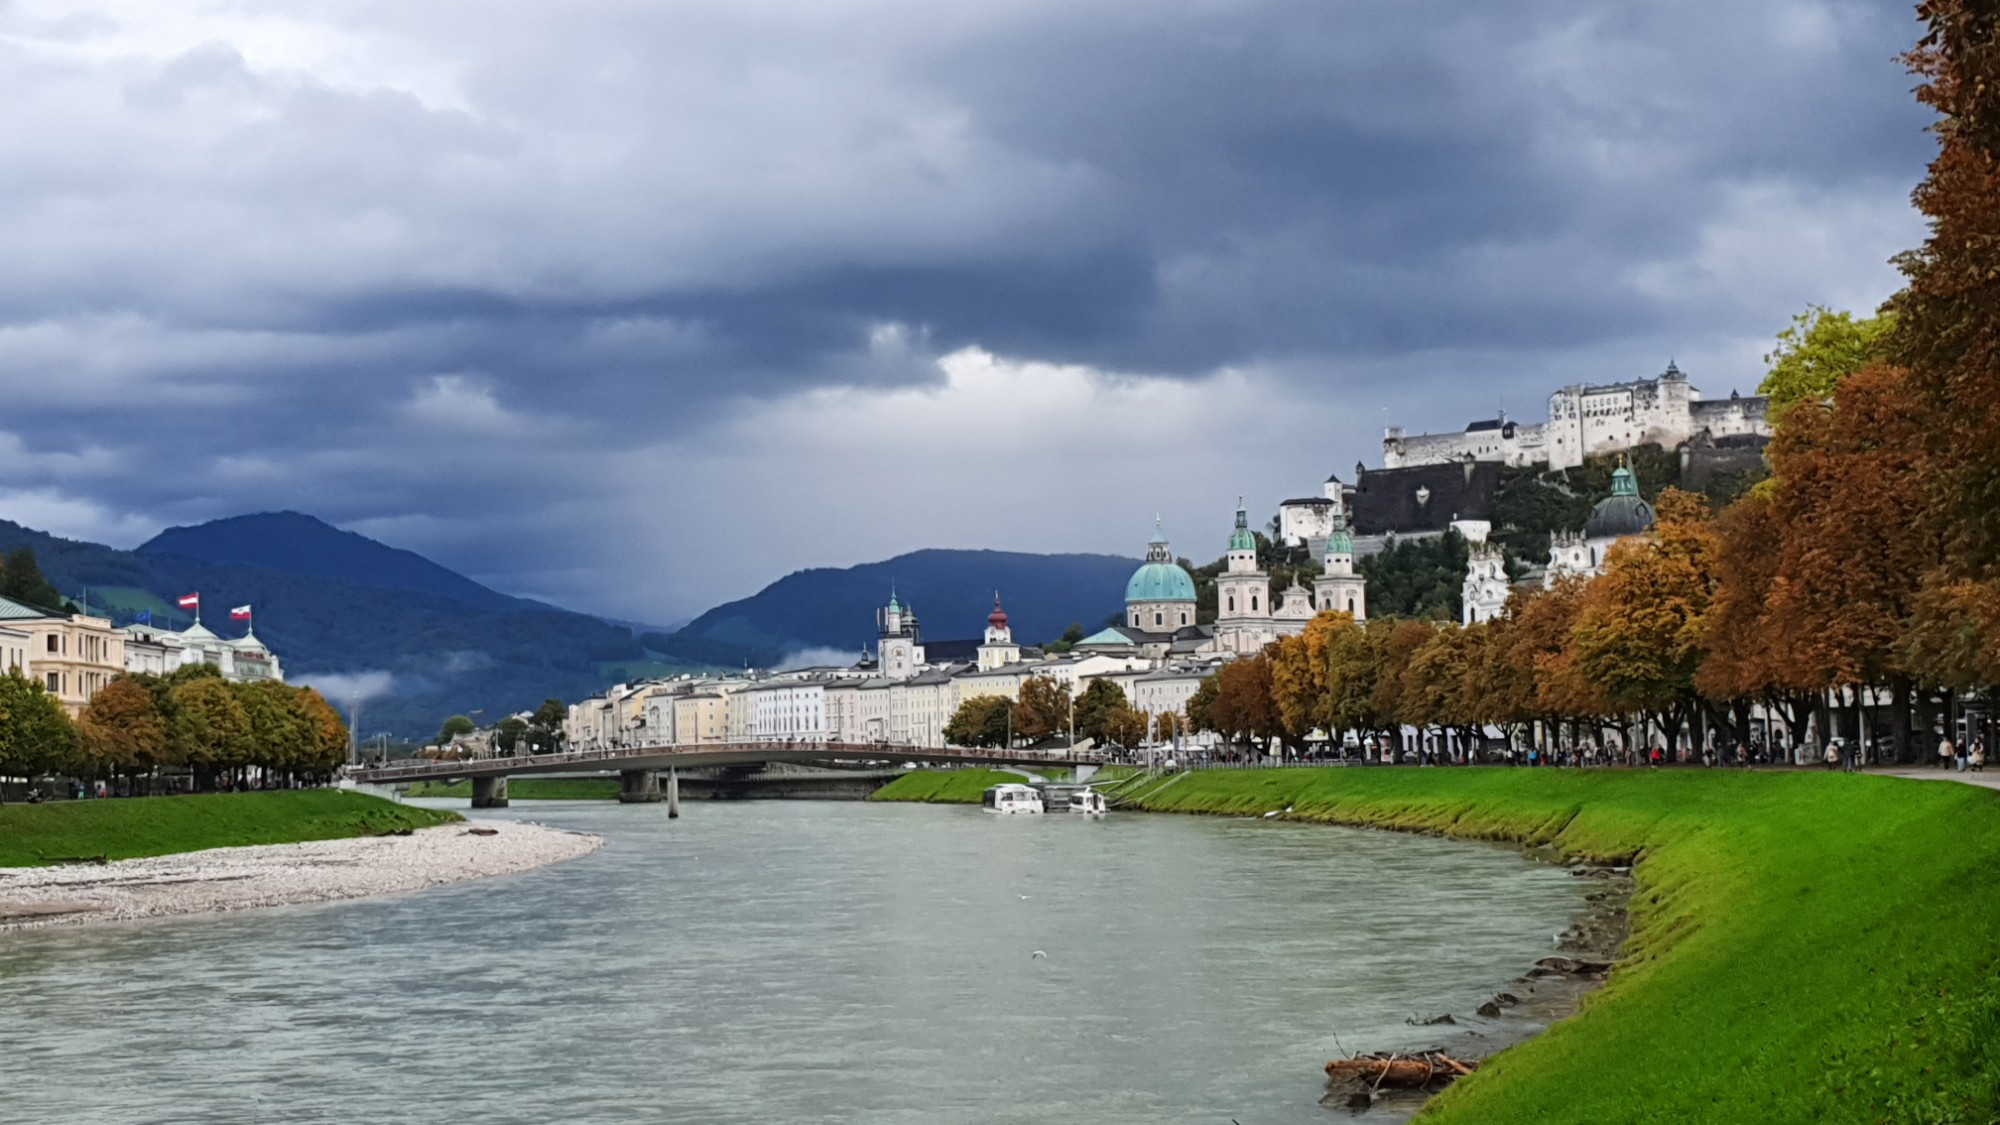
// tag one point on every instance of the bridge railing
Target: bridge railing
(611, 756)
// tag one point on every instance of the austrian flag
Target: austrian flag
(240, 613)
(189, 601)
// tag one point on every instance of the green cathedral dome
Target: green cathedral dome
(1159, 582)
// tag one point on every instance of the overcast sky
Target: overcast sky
(638, 305)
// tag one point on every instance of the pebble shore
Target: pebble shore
(278, 874)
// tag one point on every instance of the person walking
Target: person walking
(1977, 760)
(1944, 753)
(1963, 750)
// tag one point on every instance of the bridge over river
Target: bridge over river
(639, 767)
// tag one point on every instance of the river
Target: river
(791, 962)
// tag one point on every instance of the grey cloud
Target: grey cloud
(629, 225)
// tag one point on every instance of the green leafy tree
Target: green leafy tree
(979, 721)
(281, 736)
(36, 735)
(1819, 350)
(455, 726)
(507, 733)
(545, 730)
(211, 729)
(1201, 706)
(1417, 577)
(1069, 639)
(1095, 705)
(21, 579)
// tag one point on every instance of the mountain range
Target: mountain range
(417, 641)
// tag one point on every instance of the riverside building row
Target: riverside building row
(73, 655)
(905, 694)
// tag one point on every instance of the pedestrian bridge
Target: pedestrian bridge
(639, 767)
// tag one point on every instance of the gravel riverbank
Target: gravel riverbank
(278, 874)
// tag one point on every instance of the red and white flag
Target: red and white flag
(189, 601)
(240, 613)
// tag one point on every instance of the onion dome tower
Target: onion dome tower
(1159, 597)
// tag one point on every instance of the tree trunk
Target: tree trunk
(1899, 719)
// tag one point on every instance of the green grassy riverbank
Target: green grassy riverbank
(528, 789)
(945, 787)
(1805, 947)
(34, 835)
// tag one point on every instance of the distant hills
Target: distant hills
(347, 613)
(952, 591)
(295, 543)
(421, 641)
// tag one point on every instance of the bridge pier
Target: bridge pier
(638, 787)
(673, 792)
(1083, 773)
(489, 792)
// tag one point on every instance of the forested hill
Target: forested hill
(429, 654)
(952, 592)
(295, 543)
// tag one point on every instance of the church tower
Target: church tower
(1243, 594)
(998, 649)
(1486, 588)
(1339, 587)
(898, 651)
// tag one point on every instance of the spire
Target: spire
(998, 618)
(1156, 547)
(1241, 539)
(1339, 542)
(1623, 483)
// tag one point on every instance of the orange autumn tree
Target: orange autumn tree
(1299, 684)
(1947, 337)
(1740, 664)
(1243, 708)
(1851, 544)
(1638, 634)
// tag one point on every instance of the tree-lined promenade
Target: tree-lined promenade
(141, 730)
(1867, 569)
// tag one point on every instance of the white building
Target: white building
(1575, 554)
(998, 647)
(1245, 618)
(1309, 518)
(1338, 587)
(787, 711)
(14, 651)
(1587, 419)
(1494, 439)
(161, 651)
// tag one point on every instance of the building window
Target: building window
(1159, 618)
(55, 685)
(1253, 603)
(52, 643)
(1232, 603)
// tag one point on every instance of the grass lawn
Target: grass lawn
(31, 835)
(1806, 947)
(529, 789)
(944, 787)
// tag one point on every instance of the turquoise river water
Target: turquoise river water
(794, 962)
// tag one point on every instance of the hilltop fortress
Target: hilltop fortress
(1585, 419)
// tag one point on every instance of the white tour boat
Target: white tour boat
(1089, 802)
(1013, 799)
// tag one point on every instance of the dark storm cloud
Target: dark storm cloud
(454, 270)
